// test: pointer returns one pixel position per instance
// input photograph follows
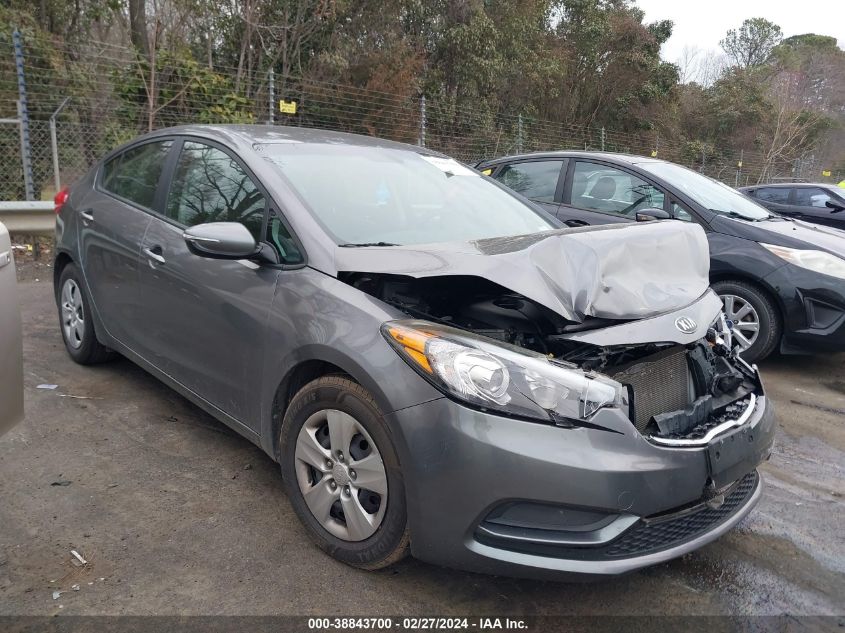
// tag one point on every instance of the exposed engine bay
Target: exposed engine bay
(674, 390)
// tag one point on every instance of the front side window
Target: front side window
(134, 174)
(779, 195)
(811, 197)
(535, 179)
(210, 186)
(602, 188)
(380, 195)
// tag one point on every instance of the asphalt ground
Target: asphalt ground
(176, 514)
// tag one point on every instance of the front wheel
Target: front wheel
(342, 474)
(753, 317)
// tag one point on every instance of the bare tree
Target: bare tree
(794, 128)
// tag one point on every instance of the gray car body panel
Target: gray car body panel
(11, 350)
(619, 472)
(574, 272)
(229, 334)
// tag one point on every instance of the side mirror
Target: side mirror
(220, 240)
(647, 215)
(836, 206)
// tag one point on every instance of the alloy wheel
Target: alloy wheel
(742, 319)
(73, 314)
(341, 475)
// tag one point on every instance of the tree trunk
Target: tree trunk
(138, 27)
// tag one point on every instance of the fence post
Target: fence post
(54, 142)
(738, 170)
(422, 121)
(519, 135)
(23, 117)
(602, 138)
(271, 99)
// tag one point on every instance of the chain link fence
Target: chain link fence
(114, 97)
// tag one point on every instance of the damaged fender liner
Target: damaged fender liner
(611, 272)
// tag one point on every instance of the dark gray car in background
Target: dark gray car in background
(819, 203)
(434, 362)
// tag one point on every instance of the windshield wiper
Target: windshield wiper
(734, 214)
(364, 244)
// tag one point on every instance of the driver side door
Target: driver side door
(205, 318)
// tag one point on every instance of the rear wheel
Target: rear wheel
(753, 317)
(75, 320)
(342, 474)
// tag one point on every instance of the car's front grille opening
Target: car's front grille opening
(658, 383)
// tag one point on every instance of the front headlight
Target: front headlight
(817, 261)
(501, 377)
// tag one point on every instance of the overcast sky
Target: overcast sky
(703, 24)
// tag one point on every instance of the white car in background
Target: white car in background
(11, 350)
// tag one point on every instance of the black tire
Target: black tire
(771, 327)
(390, 542)
(88, 350)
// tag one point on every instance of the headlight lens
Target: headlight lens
(499, 376)
(817, 261)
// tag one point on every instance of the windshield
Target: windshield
(378, 196)
(707, 192)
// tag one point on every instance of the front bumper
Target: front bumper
(459, 465)
(813, 309)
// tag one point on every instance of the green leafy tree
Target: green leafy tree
(751, 44)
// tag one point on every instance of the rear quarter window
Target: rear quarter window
(134, 174)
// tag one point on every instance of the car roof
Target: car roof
(245, 136)
(778, 185)
(630, 159)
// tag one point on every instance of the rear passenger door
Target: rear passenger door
(774, 198)
(540, 180)
(113, 218)
(598, 193)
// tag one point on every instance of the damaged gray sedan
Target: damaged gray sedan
(435, 364)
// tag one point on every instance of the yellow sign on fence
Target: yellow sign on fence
(287, 107)
(826, 173)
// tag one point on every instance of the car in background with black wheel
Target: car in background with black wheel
(781, 280)
(819, 203)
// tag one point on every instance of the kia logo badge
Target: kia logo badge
(686, 325)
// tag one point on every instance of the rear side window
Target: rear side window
(210, 186)
(134, 174)
(536, 179)
(779, 195)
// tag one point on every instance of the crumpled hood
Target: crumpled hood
(629, 271)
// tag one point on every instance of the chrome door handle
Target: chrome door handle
(88, 216)
(5, 258)
(154, 256)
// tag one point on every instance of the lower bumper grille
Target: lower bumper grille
(659, 383)
(648, 536)
(663, 532)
